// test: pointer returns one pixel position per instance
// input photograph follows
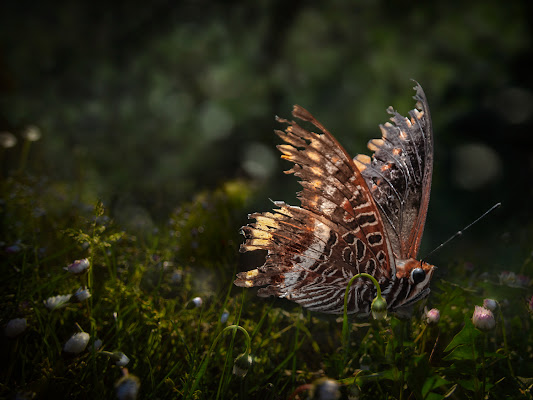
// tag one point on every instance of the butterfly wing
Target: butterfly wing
(315, 249)
(399, 175)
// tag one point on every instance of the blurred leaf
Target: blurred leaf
(433, 382)
(462, 346)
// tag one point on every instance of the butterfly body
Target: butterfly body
(357, 215)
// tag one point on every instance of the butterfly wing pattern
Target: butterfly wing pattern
(356, 215)
(399, 175)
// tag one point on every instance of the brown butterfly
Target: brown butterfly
(357, 215)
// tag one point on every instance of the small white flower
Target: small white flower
(96, 345)
(176, 277)
(31, 133)
(55, 302)
(127, 387)
(25, 395)
(197, 301)
(82, 294)
(78, 266)
(14, 248)
(523, 280)
(15, 327)
(326, 389)
(433, 316)
(224, 317)
(365, 362)
(354, 393)
(77, 343)
(490, 304)
(483, 319)
(7, 140)
(513, 280)
(121, 359)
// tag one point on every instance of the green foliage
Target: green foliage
(206, 225)
(145, 290)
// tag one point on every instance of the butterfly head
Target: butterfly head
(418, 274)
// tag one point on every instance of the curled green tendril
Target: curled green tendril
(378, 302)
(379, 306)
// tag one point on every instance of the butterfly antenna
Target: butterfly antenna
(459, 233)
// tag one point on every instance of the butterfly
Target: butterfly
(365, 214)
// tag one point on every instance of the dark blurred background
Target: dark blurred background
(147, 103)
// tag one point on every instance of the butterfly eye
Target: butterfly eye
(418, 275)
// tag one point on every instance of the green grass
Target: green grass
(143, 282)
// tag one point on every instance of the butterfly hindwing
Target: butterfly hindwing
(310, 260)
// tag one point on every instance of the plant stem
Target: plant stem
(402, 364)
(345, 329)
(476, 379)
(203, 366)
(482, 351)
(24, 156)
(505, 343)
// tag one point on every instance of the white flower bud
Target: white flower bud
(379, 308)
(483, 319)
(31, 133)
(242, 364)
(224, 317)
(77, 343)
(197, 301)
(78, 266)
(7, 140)
(96, 345)
(82, 294)
(121, 359)
(56, 302)
(326, 389)
(490, 304)
(433, 316)
(127, 387)
(15, 327)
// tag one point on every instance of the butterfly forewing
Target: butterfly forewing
(313, 251)
(399, 175)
